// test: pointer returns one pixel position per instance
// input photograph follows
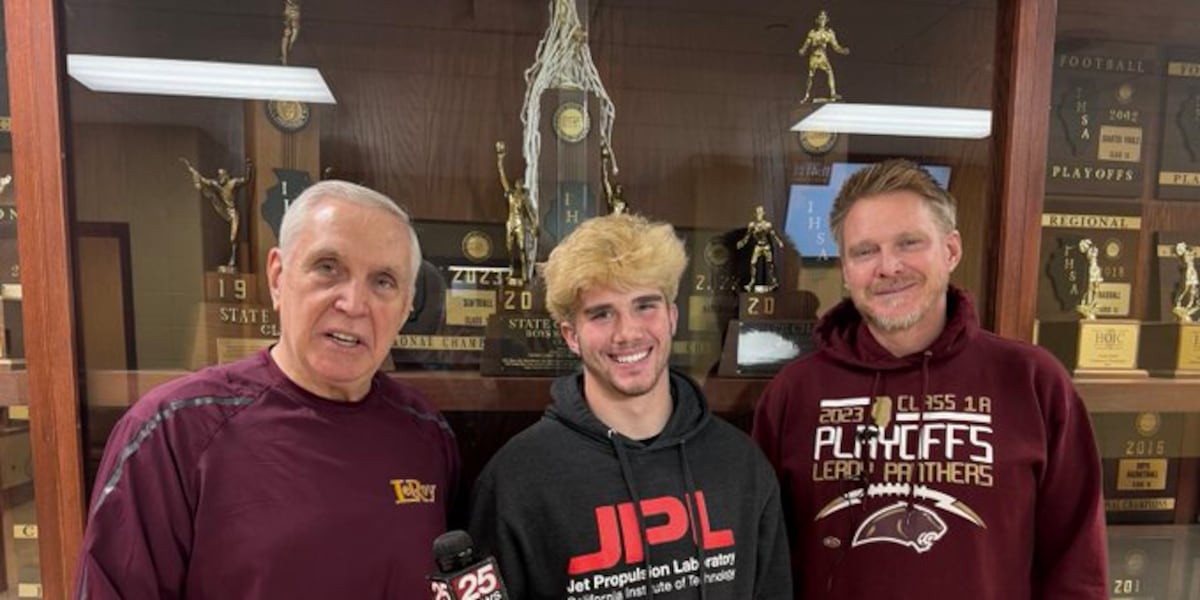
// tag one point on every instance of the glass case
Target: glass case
(1116, 293)
(20, 575)
(684, 111)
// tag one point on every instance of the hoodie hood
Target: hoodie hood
(688, 417)
(843, 335)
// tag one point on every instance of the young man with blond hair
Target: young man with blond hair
(628, 485)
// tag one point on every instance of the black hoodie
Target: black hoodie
(562, 506)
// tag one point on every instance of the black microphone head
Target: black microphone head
(453, 550)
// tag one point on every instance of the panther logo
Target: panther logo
(907, 525)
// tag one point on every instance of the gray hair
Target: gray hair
(298, 212)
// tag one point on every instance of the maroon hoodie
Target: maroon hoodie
(234, 482)
(968, 470)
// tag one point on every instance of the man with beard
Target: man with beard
(628, 486)
(920, 456)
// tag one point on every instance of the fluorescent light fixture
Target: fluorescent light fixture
(209, 79)
(896, 119)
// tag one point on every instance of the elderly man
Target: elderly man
(300, 472)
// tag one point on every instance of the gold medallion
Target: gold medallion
(477, 246)
(818, 142)
(288, 116)
(1147, 424)
(716, 254)
(1135, 562)
(1112, 249)
(571, 122)
(1125, 93)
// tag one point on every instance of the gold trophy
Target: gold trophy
(1089, 301)
(1187, 302)
(520, 338)
(772, 327)
(291, 29)
(815, 43)
(1172, 349)
(222, 192)
(763, 233)
(613, 194)
(521, 226)
(1092, 346)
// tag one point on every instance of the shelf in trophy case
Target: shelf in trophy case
(450, 390)
(468, 391)
(1135, 395)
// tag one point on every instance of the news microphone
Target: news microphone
(461, 575)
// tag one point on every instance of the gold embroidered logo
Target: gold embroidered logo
(412, 491)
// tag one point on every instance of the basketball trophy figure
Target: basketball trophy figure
(291, 29)
(613, 194)
(1187, 302)
(221, 191)
(819, 38)
(521, 224)
(1090, 299)
(763, 233)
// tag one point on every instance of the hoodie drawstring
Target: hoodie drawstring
(689, 482)
(690, 496)
(917, 458)
(618, 444)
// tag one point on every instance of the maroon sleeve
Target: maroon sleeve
(139, 525)
(1070, 554)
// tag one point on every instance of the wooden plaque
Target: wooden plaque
(1101, 97)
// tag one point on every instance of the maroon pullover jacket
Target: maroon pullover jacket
(233, 482)
(967, 471)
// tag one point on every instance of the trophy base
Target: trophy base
(1103, 348)
(447, 348)
(12, 364)
(761, 289)
(761, 348)
(1109, 373)
(1171, 349)
(228, 270)
(525, 345)
(771, 330)
(227, 332)
(696, 353)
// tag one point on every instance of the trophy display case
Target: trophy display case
(498, 143)
(1116, 273)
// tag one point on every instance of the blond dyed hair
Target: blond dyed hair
(894, 175)
(618, 251)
